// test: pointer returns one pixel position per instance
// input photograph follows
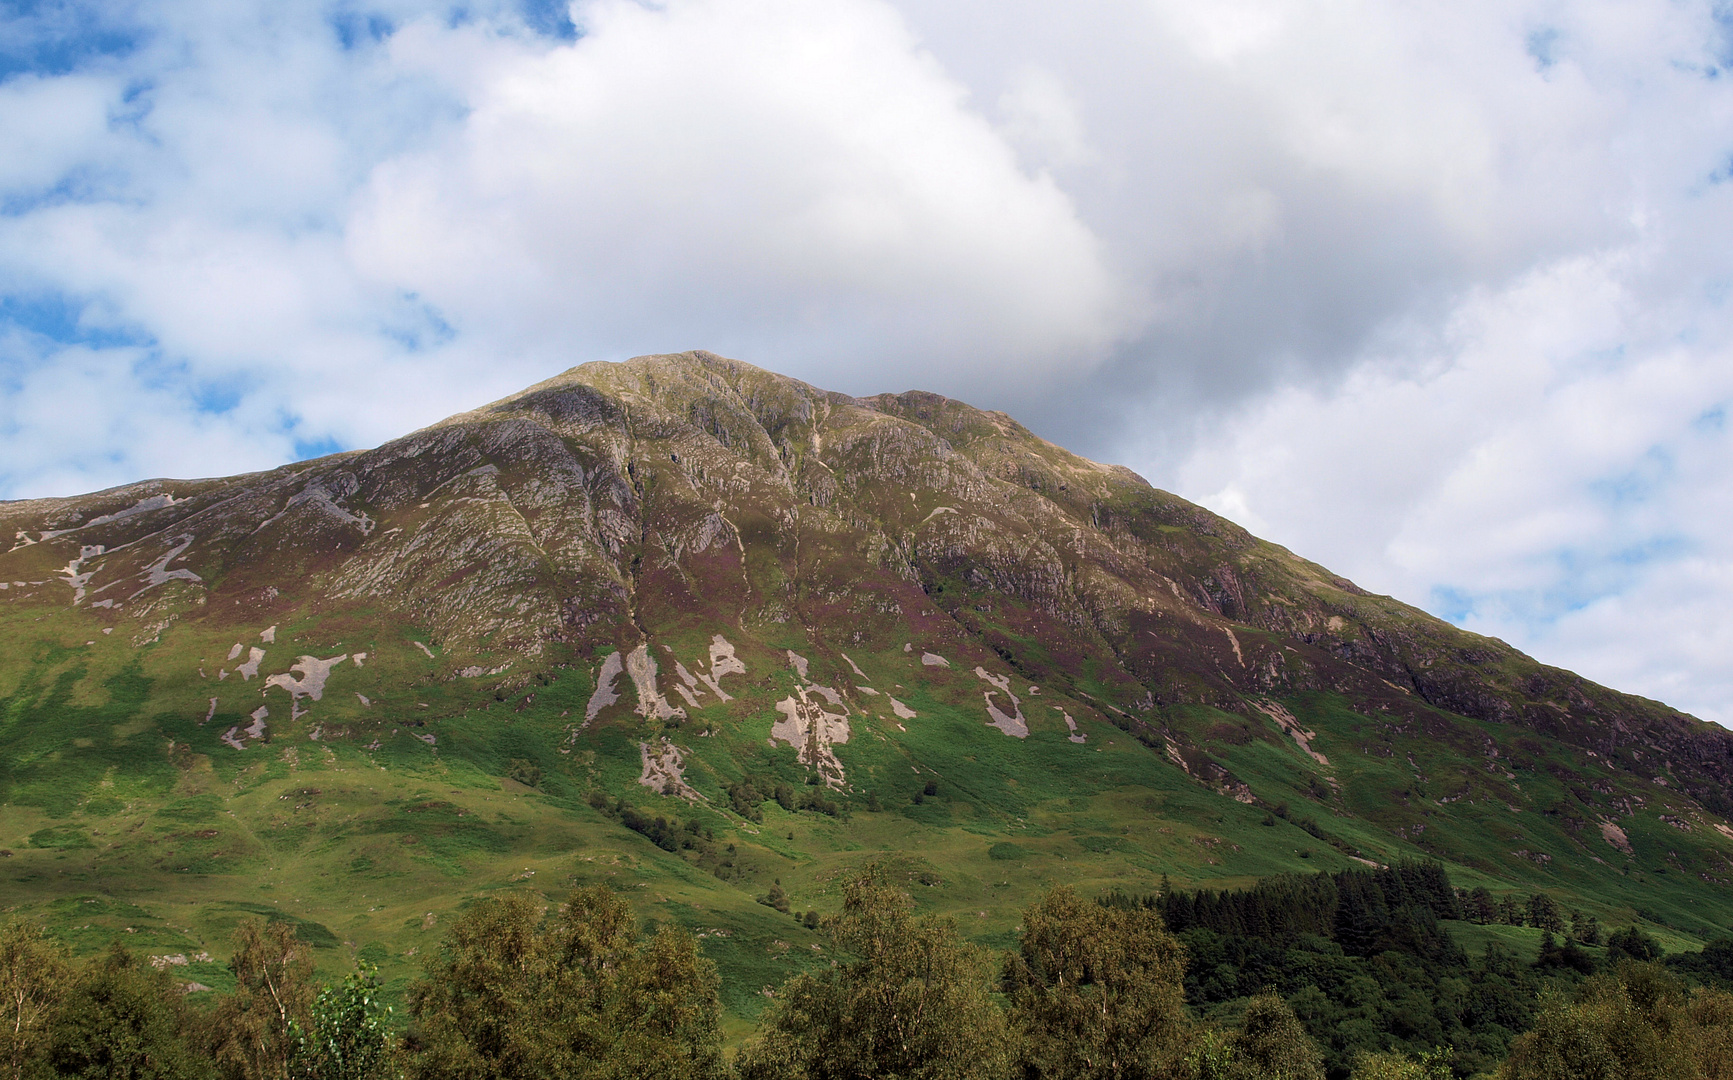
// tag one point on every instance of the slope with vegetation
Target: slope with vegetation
(713, 637)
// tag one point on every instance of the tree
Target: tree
(1709, 1032)
(1510, 911)
(34, 977)
(1632, 944)
(1544, 914)
(1096, 991)
(350, 1036)
(1428, 1065)
(1629, 1026)
(254, 1032)
(1585, 928)
(1274, 1044)
(516, 994)
(914, 1002)
(1270, 1044)
(122, 1020)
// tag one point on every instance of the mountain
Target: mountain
(711, 634)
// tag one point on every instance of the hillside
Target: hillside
(797, 627)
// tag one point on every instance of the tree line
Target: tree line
(1094, 990)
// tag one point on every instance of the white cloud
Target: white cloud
(793, 181)
(1555, 476)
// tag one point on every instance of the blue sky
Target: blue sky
(1434, 295)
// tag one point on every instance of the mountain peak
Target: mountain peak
(683, 577)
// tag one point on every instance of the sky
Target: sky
(1435, 294)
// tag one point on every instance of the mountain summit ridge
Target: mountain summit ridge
(758, 561)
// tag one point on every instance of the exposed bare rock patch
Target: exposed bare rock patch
(605, 693)
(158, 572)
(251, 668)
(1286, 721)
(722, 662)
(641, 666)
(311, 684)
(1071, 725)
(75, 578)
(934, 660)
(812, 731)
(1012, 723)
(665, 770)
(1616, 837)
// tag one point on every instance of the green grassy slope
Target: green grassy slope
(476, 577)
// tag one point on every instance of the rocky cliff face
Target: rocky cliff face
(646, 515)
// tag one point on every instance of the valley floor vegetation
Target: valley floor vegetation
(1347, 975)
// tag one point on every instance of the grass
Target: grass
(125, 817)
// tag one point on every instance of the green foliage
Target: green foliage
(1544, 914)
(525, 772)
(1427, 1065)
(1365, 911)
(1602, 1033)
(255, 1032)
(1585, 929)
(776, 898)
(1712, 965)
(1406, 985)
(914, 1002)
(350, 1037)
(513, 994)
(122, 1020)
(1274, 1045)
(1096, 991)
(34, 978)
(1632, 944)
(1269, 1044)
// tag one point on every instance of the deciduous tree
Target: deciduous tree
(350, 1037)
(1097, 991)
(253, 1033)
(519, 994)
(34, 977)
(123, 1020)
(913, 1001)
